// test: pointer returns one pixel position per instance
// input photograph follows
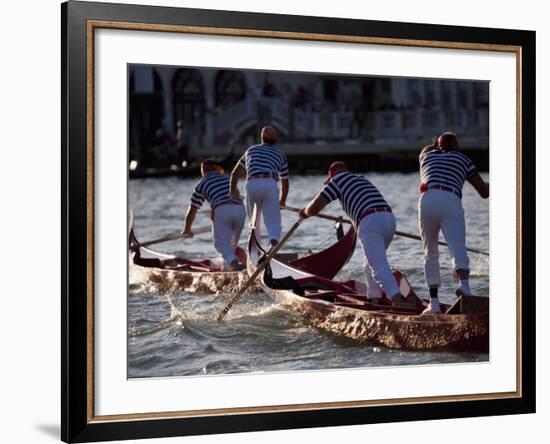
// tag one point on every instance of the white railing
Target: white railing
(324, 125)
(304, 124)
(403, 124)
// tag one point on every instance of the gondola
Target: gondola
(341, 307)
(172, 272)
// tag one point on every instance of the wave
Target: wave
(246, 312)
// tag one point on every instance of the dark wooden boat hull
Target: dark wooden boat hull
(164, 272)
(343, 310)
(194, 282)
(397, 331)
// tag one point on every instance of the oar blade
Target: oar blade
(238, 295)
(261, 268)
(170, 237)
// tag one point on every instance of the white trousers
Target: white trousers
(265, 194)
(227, 226)
(376, 233)
(441, 210)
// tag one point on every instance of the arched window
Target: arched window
(430, 98)
(481, 94)
(446, 94)
(463, 95)
(230, 88)
(413, 90)
(383, 92)
(146, 113)
(189, 101)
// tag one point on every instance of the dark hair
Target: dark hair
(209, 162)
(448, 140)
(210, 165)
(268, 135)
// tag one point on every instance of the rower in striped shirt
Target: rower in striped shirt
(264, 164)
(227, 213)
(443, 171)
(374, 222)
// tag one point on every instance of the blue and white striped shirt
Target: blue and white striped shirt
(265, 159)
(356, 193)
(214, 187)
(446, 168)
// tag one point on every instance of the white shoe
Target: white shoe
(433, 308)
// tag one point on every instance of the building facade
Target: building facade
(212, 110)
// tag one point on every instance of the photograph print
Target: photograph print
(292, 221)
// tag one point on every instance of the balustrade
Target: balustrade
(322, 125)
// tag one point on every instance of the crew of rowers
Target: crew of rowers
(443, 171)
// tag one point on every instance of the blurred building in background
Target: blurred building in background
(180, 114)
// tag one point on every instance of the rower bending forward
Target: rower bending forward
(264, 164)
(443, 171)
(374, 222)
(227, 213)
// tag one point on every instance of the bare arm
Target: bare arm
(189, 218)
(236, 174)
(284, 192)
(315, 206)
(480, 185)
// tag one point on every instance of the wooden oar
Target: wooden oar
(254, 275)
(399, 233)
(414, 236)
(132, 220)
(320, 215)
(170, 237)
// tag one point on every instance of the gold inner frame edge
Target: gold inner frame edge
(92, 25)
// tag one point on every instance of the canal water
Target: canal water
(174, 333)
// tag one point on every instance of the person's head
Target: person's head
(179, 124)
(447, 141)
(209, 165)
(269, 135)
(334, 169)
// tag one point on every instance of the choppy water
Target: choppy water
(175, 333)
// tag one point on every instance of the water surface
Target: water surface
(173, 333)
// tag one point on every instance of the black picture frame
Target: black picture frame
(77, 422)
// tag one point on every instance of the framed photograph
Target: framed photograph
(266, 222)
